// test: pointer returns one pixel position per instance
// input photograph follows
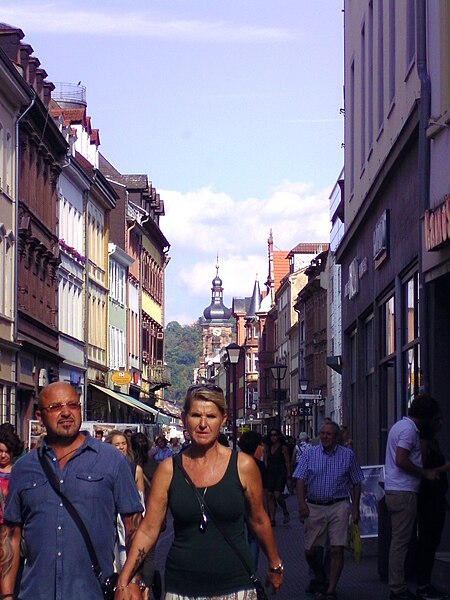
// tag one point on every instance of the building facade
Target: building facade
(394, 316)
(41, 153)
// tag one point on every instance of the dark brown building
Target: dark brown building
(42, 149)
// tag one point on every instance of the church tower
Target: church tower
(217, 325)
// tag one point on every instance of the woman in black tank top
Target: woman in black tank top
(200, 562)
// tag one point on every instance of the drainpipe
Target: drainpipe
(424, 184)
(16, 215)
(16, 245)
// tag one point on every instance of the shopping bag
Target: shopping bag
(354, 542)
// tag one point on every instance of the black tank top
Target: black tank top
(202, 563)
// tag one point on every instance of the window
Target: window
(6, 271)
(380, 67)
(116, 348)
(392, 57)
(352, 127)
(410, 34)
(369, 349)
(370, 71)
(389, 327)
(117, 282)
(363, 97)
(410, 349)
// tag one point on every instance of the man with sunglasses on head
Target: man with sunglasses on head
(94, 477)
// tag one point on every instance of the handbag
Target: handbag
(108, 584)
(260, 589)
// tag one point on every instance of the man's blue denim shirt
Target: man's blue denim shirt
(99, 483)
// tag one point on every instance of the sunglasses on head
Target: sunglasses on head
(204, 386)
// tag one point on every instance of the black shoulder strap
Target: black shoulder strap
(178, 462)
(51, 476)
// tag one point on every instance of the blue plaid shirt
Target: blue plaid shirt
(328, 476)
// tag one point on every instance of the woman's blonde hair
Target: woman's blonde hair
(207, 392)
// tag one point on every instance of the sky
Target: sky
(232, 107)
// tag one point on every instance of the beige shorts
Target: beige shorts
(332, 520)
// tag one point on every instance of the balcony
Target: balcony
(159, 376)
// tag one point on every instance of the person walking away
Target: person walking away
(278, 473)
(251, 442)
(326, 476)
(140, 445)
(200, 562)
(431, 509)
(94, 477)
(403, 473)
(302, 444)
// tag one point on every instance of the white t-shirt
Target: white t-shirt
(403, 434)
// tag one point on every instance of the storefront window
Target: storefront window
(411, 309)
(389, 327)
(410, 354)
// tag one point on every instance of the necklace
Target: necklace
(66, 454)
(203, 518)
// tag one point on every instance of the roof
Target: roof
(309, 248)
(280, 266)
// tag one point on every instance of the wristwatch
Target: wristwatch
(278, 569)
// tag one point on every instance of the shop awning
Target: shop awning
(127, 400)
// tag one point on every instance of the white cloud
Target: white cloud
(59, 18)
(198, 224)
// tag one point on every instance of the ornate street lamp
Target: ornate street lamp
(234, 354)
(303, 384)
(278, 372)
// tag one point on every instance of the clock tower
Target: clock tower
(217, 324)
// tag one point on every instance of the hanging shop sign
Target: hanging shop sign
(121, 377)
(381, 240)
(437, 225)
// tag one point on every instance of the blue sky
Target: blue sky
(230, 106)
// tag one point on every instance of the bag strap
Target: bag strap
(178, 462)
(51, 476)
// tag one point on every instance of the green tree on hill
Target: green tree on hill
(183, 348)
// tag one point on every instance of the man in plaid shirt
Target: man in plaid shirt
(328, 475)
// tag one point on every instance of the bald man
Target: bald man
(97, 481)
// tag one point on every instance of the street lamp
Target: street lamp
(233, 354)
(278, 372)
(303, 385)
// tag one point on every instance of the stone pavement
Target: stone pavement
(358, 582)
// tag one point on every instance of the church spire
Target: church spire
(217, 311)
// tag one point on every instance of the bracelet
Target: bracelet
(278, 569)
(138, 581)
(121, 588)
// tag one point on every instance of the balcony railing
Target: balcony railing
(159, 375)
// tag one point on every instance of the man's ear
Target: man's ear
(38, 415)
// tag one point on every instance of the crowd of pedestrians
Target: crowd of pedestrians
(81, 515)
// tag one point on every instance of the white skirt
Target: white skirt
(241, 595)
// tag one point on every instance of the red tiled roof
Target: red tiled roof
(280, 266)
